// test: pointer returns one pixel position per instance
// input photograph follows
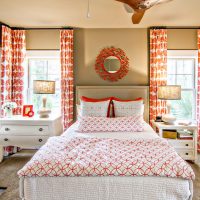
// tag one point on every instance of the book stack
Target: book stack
(170, 134)
(184, 135)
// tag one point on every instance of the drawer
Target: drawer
(186, 154)
(23, 141)
(24, 130)
(182, 143)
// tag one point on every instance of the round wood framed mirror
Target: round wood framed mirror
(112, 64)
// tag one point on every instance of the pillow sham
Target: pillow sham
(101, 124)
(110, 109)
(127, 100)
(94, 109)
(129, 108)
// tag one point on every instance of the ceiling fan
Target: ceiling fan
(139, 7)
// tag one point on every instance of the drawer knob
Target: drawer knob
(40, 140)
(40, 129)
(186, 153)
(186, 145)
(7, 129)
(6, 139)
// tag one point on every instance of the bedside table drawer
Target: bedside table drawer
(186, 154)
(182, 143)
(23, 141)
(24, 130)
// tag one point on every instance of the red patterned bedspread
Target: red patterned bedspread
(82, 156)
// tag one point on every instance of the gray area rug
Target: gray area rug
(10, 166)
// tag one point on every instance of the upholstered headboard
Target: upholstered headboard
(123, 92)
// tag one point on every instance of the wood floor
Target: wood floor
(10, 166)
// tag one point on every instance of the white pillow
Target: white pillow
(130, 108)
(94, 109)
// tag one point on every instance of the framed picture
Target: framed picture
(28, 111)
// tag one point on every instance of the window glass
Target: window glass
(181, 71)
(43, 68)
(184, 108)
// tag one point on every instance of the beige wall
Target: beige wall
(42, 39)
(182, 39)
(89, 42)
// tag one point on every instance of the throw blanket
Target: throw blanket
(84, 156)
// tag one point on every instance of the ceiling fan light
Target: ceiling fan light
(128, 8)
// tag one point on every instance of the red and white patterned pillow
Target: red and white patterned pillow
(102, 124)
(94, 109)
(129, 108)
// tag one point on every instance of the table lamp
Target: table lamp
(169, 92)
(44, 87)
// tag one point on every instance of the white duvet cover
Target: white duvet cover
(106, 188)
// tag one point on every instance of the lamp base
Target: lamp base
(44, 113)
(169, 119)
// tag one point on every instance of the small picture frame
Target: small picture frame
(28, 111)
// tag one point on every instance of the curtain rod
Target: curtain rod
(22, 28)
(3, 24)
(174, 27)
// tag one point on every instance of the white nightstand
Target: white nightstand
(28, 132)
(187, 149)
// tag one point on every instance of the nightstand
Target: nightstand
(186, 148)
(28, 132)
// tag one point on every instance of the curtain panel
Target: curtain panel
(67, 79)
(12, 71)
(158, 70)
(18, 58)
(198, 92)
(6, 66)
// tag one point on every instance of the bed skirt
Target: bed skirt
(105, 188)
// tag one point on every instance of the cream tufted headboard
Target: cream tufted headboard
(123, 92)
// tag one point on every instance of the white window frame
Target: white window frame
(187, 54)
(33, 54)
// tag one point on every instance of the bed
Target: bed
(75, 186)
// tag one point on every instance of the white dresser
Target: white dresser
(28, 132)
(187, 149)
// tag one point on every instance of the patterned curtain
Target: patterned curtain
(67, 85)
(6, 66)
(12, 71)
(198, 92)
(158, 70)
(18, 58)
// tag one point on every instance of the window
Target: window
(181, 71)
(43, 65)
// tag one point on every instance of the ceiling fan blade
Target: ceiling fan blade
(131, 3)
(137, 16)
(164, 1)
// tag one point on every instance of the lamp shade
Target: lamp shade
(43, 87)
(169, 92)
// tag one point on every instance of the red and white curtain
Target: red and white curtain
(67, 79)
(18, 58)
(6, 66)
(158, 70)
(12, 71)
(198, 91)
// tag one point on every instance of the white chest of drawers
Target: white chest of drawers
(28, 132)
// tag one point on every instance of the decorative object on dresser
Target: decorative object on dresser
(28, 111)
(169, 92)
(112, 64)
(8, 108)
(28, 132)
(185, 138)
(44, 87)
